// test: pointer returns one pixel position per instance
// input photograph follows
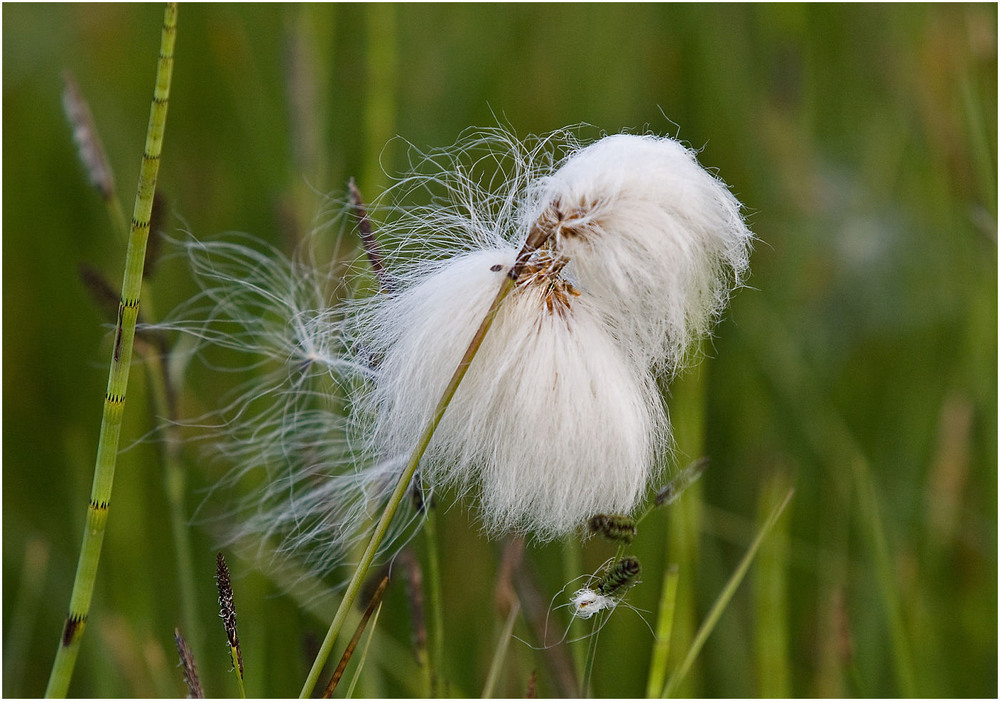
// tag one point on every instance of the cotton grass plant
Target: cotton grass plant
(594, 268)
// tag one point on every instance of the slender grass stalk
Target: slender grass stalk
(349, 651)
(435, 629)
(572, 567)
(500, 654)
(588, 666)
(114, 401)
(380, 100)
(364, 652)
(771, 602)
(723, 599)
(684, 518)
(536, 237)
(664, 629)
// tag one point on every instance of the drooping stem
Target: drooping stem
(114, 400)
(536, 237)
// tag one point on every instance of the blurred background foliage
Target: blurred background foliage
(861, 366)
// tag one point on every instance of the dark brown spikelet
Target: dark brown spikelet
(187, 664)
(622, 574)
(227, 609)
(616, 528)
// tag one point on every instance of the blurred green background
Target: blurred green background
(861, 366)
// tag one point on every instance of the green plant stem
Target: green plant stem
(234, 656)
(572, 567)
(684, 517)
(351, 593)
(723, 599)
(536, 237)
(588, 668)
(664, 629)
(174, 481)
(114, 401)
(501, 652)
(435, 631)
(364, 653)
(771, 601)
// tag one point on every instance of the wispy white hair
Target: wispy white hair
(559, 416)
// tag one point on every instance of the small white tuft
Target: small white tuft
(586, 603)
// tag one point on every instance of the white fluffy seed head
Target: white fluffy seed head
(587, 603)
(558, 417)
(554, 420)
(655, 239)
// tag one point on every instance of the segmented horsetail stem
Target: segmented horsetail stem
(339, 672)
(187, 664)
(537, 236)
(613, 527)
(88, 141)
(622, 574)
(673, 489)
(227, 612)
(114, 399)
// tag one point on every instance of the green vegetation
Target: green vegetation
(860, 368)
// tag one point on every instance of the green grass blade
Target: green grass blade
(114, 402)
(723, 599)
(771, 602)
(500, 654)
(664, 629)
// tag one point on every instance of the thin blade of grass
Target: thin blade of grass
(346, 657)
(500, 654)
(664, 629)
(724, 598)
(364, 653)
(771, 601)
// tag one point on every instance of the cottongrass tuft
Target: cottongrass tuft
(559, 416)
